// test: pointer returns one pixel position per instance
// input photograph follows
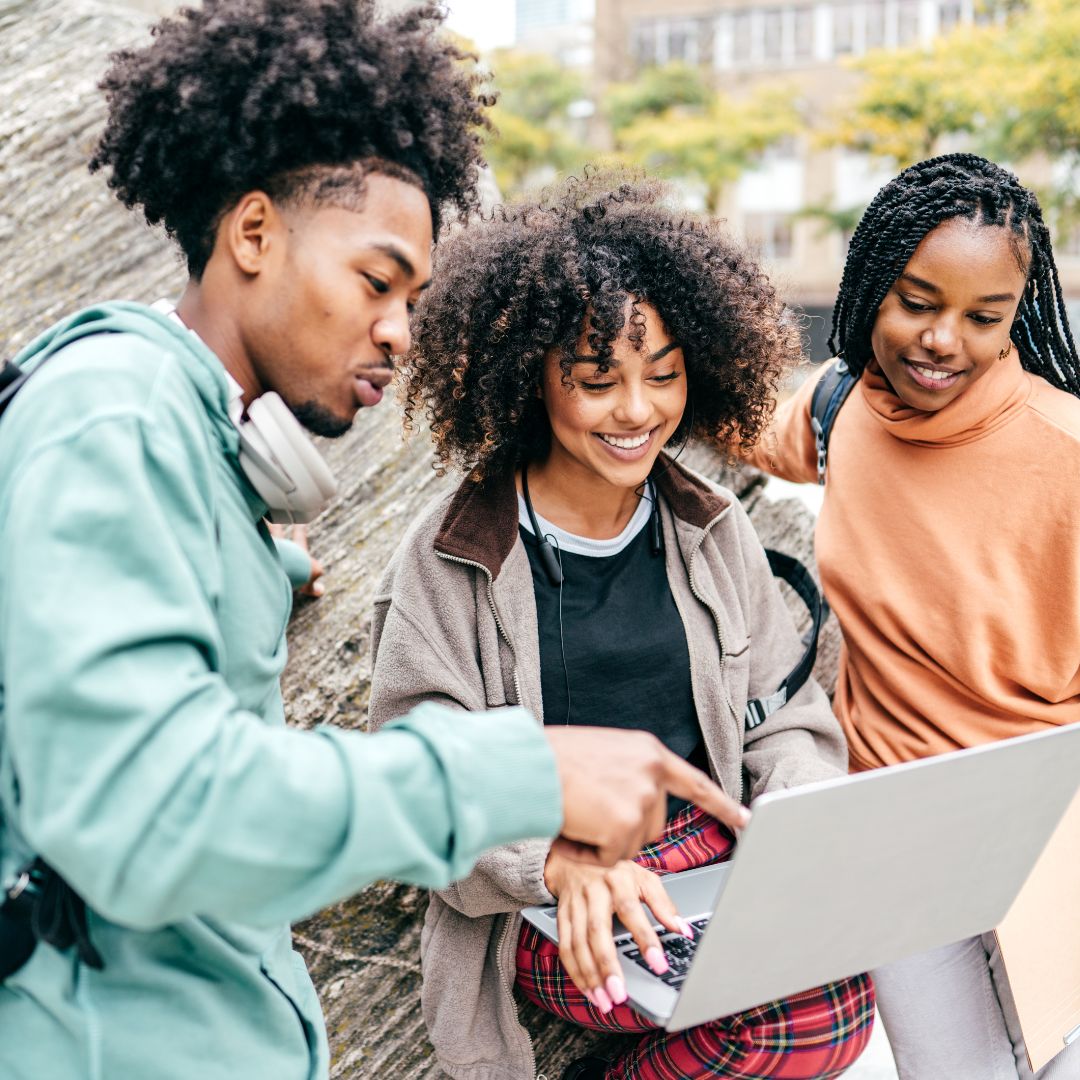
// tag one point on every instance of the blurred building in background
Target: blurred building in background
(797, 208)
(563, 29)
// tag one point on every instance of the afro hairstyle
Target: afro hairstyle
(240, 95)
(510, 291)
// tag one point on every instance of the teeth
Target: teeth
(626, 444)
(930, 373)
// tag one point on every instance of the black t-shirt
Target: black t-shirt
(627, 663)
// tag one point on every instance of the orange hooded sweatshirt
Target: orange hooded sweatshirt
(949, 547)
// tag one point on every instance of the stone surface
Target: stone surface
(64, 242)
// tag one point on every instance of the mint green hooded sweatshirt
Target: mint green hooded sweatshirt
(143, 749)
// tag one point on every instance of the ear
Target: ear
(252, 232)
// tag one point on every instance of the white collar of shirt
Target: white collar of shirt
(236, 391)
(584, 545)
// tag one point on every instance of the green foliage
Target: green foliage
(712, 143)
(910, 98)
(533, 130)
(1013, 89)
(670, 122)
(655, 91)
(1034, 63)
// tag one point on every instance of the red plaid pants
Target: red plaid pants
(812, 1035)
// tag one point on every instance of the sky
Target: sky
(489, 23)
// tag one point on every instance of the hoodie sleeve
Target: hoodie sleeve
(423, 651)
(787, 449)
(295, 561)
(140, 776)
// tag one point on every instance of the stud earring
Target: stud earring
(1005, 352)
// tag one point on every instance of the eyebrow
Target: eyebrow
(993, 298)
(393, 252)
(577, 358)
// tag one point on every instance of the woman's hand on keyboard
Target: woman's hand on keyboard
(588, 898)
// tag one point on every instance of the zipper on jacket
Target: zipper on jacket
(500, 949)
(510, 920)
(494, 611)
(723, 648)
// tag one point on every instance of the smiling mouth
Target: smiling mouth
(931, 378)
(626, 447)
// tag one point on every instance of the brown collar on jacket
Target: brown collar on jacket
(481, 523)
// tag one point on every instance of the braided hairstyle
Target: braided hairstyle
(298, 98)
(917, 201)
(509, 291)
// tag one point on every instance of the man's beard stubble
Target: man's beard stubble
(319, 420)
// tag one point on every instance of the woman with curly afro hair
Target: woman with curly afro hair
(582, 572)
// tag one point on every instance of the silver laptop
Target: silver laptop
(838, 877)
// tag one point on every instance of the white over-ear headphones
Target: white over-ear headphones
(282, 463)
(277, 456)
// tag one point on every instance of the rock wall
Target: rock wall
(64, 242)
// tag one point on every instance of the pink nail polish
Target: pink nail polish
(590, 997)
(603, 1002)
(656, 960)
(686, 929)
(616, 989)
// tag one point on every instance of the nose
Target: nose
(391, 331)
(942, 337)
(633, 408)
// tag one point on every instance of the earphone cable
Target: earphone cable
(554, 541)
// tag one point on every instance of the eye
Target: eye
(595, 386)
(377, 284)
(913, 305)
(987, 320)
(670, 377)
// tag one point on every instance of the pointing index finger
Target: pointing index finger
(683, 780)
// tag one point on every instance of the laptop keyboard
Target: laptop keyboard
(678, 950)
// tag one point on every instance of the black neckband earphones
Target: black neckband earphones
(549, 557)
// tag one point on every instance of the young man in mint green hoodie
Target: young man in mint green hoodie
(300, 154)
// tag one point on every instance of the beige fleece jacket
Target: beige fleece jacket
(455, 622)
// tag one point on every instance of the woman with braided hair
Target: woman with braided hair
(946, 545)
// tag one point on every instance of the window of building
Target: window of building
(803, 33)
(771, 235)
(951, 13)
(683, 41)
(724, 42)
(660, 41)
(643, 44)
(875, 25)
(772, 35)
(843, 29)
(907, 22)
(743, 37)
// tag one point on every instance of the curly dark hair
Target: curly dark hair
(510, 290)
(918, 200)
(248, 94)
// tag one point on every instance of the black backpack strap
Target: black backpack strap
(11, 381)
(830, 393)
(798, 577)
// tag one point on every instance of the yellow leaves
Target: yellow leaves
(713, 143)
(1014, 89)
